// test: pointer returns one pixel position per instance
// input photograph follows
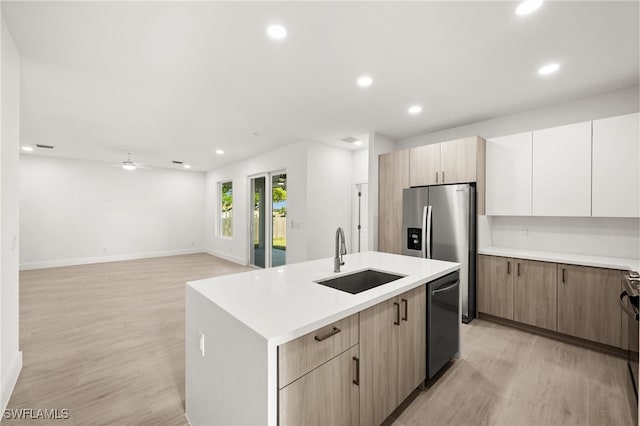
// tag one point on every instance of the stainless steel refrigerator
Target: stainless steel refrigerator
(439, 222)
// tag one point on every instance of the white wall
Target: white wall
(607, 105)
(594, 236)
(75, 211)
(329, 192)
(10, 357)
(360, 165)
(608, 237)
(378, 144)
(318, 195)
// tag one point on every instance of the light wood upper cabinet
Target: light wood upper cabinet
(616, 175)
(325, 396)
(495, 286)
(509, 185)
(535, 294)
(588, 303)
(393, 177)
(562, 171)
(413, 341)
(458, 160)
(424, 165)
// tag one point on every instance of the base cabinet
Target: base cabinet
(393, 354)
(535, 294)
(328, 395)
(495, 286)
(588, 303)
(578, 301)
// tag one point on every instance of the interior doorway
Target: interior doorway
(360, 237)
(268, 220)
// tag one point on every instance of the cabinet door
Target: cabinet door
(509, 163)
(588, 303)
(379, 339)
(324, 396)
(616, 176)
(458, 160)
(393, 177)
(562, 171)
(495, 286)
(425, 165)
(413, 341)
(535, 294)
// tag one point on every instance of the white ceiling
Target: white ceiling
(175, 81)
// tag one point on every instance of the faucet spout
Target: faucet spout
(341, 249)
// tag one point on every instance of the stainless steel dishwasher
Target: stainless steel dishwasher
(443, 321)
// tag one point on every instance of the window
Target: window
(225, 225)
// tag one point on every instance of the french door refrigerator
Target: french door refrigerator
(439, 222)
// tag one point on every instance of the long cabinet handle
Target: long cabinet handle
(564, 279)
(328, 334)
(518, 268)
(508, 268)
(443, 176)
(436, 177)
(356, 381)
(397, 305)
(406, 310)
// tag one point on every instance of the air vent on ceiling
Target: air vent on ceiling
(177, 162)
(44, 146)
(350, 139)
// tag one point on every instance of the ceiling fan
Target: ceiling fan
(129, 164)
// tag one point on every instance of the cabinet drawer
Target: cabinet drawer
(297, 357)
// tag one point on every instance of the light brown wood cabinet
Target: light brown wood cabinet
(587, 303)
(393, 177)
(328, 395)
(455, 161)
(535, 294)
(297, 357)
(392, 354)
(495, 286)
(578, 301)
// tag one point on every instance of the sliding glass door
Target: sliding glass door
(268, 220)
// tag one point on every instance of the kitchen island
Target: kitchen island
(250, 338)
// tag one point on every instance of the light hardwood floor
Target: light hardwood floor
(106, 341)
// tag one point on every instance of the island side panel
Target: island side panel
(231, 384)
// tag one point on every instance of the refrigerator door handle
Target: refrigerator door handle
(426, 232)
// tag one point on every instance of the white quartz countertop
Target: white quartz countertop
(568, 258)
(284, 303)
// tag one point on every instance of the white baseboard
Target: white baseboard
(12, 379)
(88, 260)
(227, 256)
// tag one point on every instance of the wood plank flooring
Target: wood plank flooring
(106, 341)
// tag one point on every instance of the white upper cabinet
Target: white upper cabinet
(616, 177)
(508, 172)
(562, 171)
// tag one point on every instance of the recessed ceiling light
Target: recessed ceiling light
(365, 81)
(129, 166)
(219, 151)
(27, 148)
(277, 32)
(528, 6)
(415, 109)
(186, 166)
(549, 69)
(358, 142)
(255, 134)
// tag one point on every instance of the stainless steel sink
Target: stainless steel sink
(358, 282)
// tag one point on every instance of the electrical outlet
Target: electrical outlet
(14, 243)
(201, 334)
